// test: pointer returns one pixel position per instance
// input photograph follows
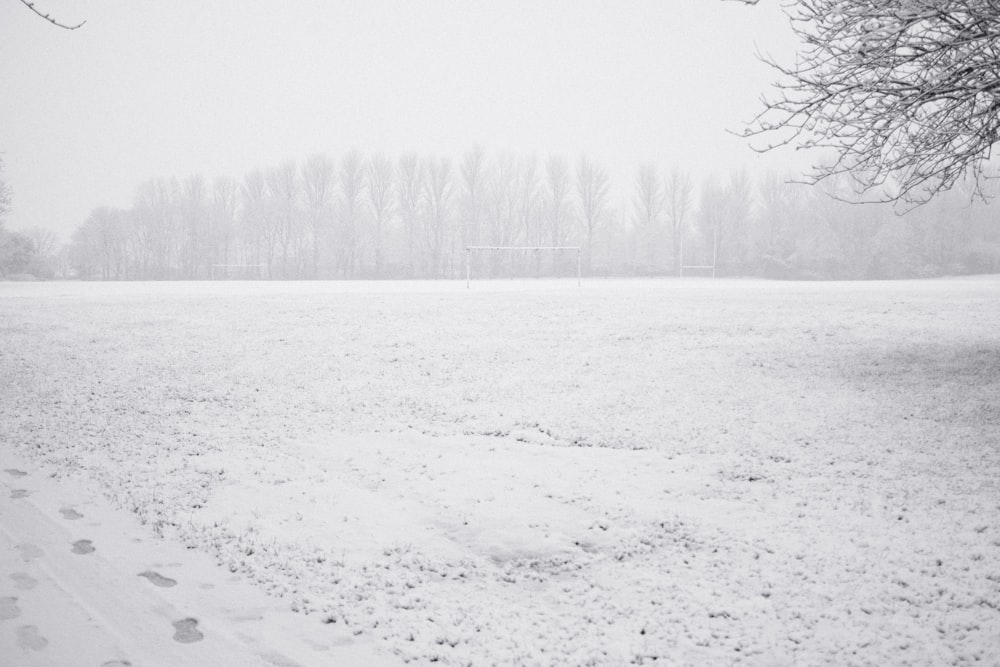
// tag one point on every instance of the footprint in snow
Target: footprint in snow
(244, 618)
(278, 660)
(70, 514)
(19, 493)
(187, 631)
(29, 552)
(28, 637)
(158, 579)
(14, 472)
(9, 609)
(24, 581)
(83, 547)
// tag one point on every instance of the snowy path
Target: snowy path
(83, 584)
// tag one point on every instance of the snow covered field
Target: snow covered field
(695, 472)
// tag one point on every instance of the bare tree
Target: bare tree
(317, 187)
(529, 209)
(437, 206)
(223, 218)
(737, 209)
(558, 208)
(781, 210)
(282, 225)
(710, 224)
(5, 197)
(351, 185)
(410, 177)
(592, 189)
(647, 204)
(473, 172)
(677, 198)
(906, 93)
(100, 244)
(195, 210)
(380, 201)
(43, 241)
(156, 228)
(255, 239)
(501, 205)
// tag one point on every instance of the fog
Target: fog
(475, 333)
(169, 90)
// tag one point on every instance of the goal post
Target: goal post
(701, 267)
(520, 248)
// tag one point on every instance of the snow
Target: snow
(527, 472)
(120, 596)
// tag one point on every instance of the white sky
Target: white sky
(173, 88)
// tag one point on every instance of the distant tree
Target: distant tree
(144, 229)
(782, 208)
(318, 189)
(677, 204)
(380, 201)
(558, 205)
(851, 229)
(724, 215)
(85, 250)
(906, 93)
(16, 252)
(737, 209)
(409, 179)
(100, 245)
(222, 219)
(438, 192)
(156, 229)
(647, 207)
(501, 214)
(283, 188)
(5, 198)
(529, 208)
(195, 210)
(592, 189)
(351, 186)
(43, 241)
(44, 249)
(709, 224)
(472, 174)
(501, 225)
(253, 197)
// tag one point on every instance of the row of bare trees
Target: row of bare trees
(773, 228)
(363, 217)
(413, 217)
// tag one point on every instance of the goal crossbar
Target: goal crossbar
(523, 248)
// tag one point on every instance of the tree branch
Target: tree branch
(31, 6)
(905, 92)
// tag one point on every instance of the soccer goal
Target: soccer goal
(521, 249)
(237, 271)
(700, 267)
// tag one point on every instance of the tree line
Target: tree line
(413, 216)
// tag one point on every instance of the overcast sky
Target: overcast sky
(174, 88)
